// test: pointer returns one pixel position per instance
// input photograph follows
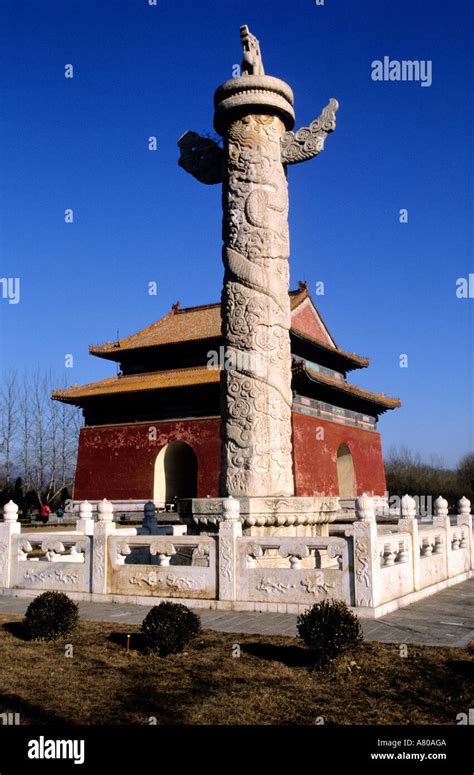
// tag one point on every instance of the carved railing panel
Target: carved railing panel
(459, 559)
(163, 566)
(293, 570)
(51, 561)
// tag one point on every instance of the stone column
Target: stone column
(8, 528)
(254, 115)
(230, 529)
(366, 554)
(464, 519)
(104, 527)
(408, 523)
(256, 380)
(85, 523)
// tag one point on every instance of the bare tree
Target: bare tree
(38, 437)
(8, 423)
(24, 438)
(407, 473)
(465, 472)
(39, 441)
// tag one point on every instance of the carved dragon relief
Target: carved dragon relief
(364, 597)
(50, 575)
(99, 557)
(3, 555)
(225, 558)
(171, 581)
(256, 431)
(311, 585)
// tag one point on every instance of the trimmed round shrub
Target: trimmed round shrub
(169, 627)
(329, 629)
(51, 615)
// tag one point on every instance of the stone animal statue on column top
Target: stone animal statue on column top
(252, 60)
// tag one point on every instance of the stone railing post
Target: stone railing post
(230, 529)
(100, 561)
(408, 523)
(8, 528)
(366, 555)
(441, 512)
(464, 519)
(441, 520)
(85, 523)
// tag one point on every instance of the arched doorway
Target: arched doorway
(175, 472)
(345, 472)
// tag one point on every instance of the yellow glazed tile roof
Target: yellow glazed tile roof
(156, 380)
(198, 323)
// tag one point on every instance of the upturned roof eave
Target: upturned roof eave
(384, 403)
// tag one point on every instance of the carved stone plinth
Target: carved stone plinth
(260, 516)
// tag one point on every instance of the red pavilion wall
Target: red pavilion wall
(118, 461)
(315, 461)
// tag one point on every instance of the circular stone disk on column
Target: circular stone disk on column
(253, 94)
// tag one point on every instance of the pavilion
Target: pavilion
(153, 431)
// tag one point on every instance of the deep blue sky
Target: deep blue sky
(141, 71)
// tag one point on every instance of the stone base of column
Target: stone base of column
(264, 516)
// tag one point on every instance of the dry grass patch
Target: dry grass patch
(272, 682)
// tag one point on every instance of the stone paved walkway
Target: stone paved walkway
(444, 619)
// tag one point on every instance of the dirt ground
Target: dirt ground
(225, 679)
